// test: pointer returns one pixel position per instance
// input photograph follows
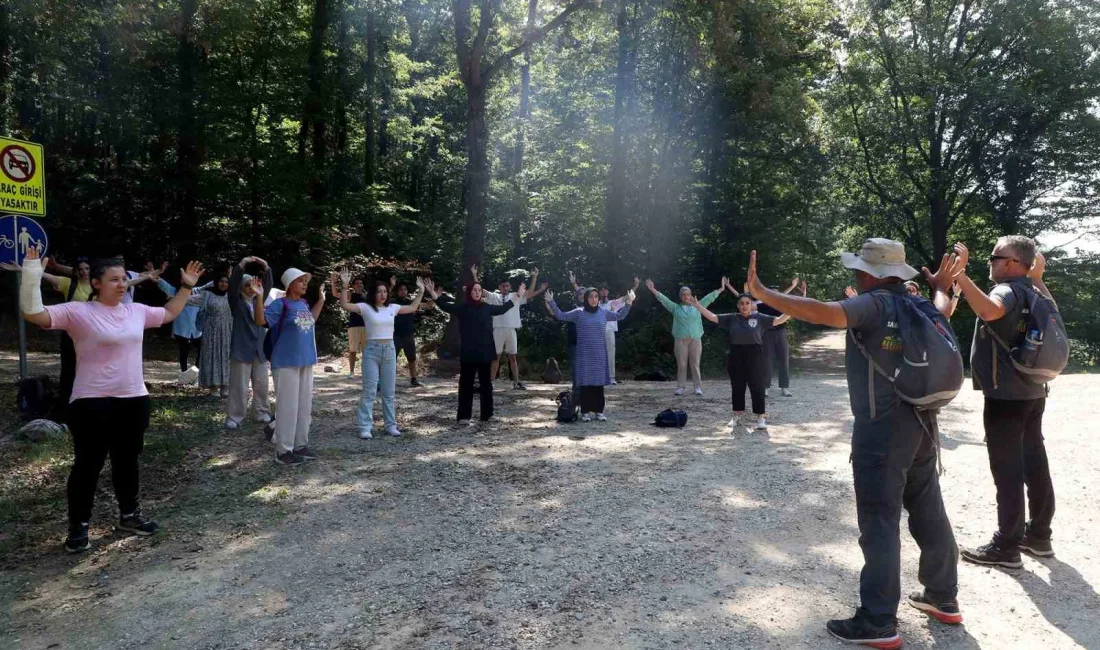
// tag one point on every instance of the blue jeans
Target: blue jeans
(379, 371)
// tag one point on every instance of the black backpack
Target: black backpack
(553, 372)
(1044, 352)
(567, 408)
(669, 419)
(36, 398)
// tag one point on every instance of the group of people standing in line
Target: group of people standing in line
(894, 457)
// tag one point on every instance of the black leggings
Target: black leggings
(103, 426)
(185, 345)
(746, 367)
(466, 390)
(591, 398)
(68, 376)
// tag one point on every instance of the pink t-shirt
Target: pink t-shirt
(108, 345)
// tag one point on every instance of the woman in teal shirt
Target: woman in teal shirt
(687, 330)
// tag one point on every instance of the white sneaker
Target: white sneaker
(679, 391)
(761, 425)
(230, 424)
(767, 392)
(393, 431)
(586, 418)
(366, 435)
(733, 423)
(601, 417)
(698, 391)
(786, 393)
(613, 382)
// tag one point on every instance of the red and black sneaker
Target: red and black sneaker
(944, 611)
(860, 630)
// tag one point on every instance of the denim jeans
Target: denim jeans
(379, 371)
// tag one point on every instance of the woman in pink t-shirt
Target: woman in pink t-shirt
(109, 408)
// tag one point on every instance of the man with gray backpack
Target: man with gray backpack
(903, 363)
(1020, 344)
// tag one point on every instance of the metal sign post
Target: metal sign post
(26, 234)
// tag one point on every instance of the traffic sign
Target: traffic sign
(22, 177)
(19, 234)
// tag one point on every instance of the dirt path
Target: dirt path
(522, 537)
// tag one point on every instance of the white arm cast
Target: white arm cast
(30, 288)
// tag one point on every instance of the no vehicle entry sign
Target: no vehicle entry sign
(22, 177)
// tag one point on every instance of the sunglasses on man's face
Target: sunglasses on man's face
(994, 258)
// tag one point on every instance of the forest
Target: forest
(659, 139)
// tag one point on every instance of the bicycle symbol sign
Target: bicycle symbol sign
(18, 236)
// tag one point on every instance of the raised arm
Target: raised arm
(985, 307)
(661, 298)
(345, 302)
(780, 320)
(729, 287)
(535, 283)
(417, 298)
(320, 304)
(258, 316)
(706, 313)
(794, 285)
(941, 281)
(556, 312)
(30, 290)
(188, 278)
(1036, 275)
(830, 314)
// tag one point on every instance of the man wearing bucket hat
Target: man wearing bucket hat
(893, 459)
(293, 353)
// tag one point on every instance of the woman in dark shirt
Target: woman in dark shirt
(745, 360)
(475, 326)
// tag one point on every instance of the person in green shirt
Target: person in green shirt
(687, 330)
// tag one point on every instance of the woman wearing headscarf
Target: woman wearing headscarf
(592, 372)
(217, 334)
(247, 361)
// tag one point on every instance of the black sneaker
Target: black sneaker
(519, 386)
(137, 524)
(306, 453)
(859, 630)
(415, 383)
(945, 611)
(993, 555)
(77, 541)
(289, 458)
(1035, 546)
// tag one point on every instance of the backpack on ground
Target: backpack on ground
(930, 372)
(567, 408)
(269, 338)
(553, 372)
(669, 419)
(35, 398)
(1044, 352)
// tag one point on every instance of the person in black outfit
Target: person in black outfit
(404, 330)
(777, 349)
(357, 329)
(475, 326)
(1014, 407)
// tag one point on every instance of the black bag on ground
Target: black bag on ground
(668, 419)
(567, 408)
(36, 398)
(553, 372)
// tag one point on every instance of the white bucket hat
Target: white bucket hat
(292, 274)
(882, 258)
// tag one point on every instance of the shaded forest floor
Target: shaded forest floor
(527, 534)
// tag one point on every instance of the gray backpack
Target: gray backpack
(930, 373)
(1044, 352)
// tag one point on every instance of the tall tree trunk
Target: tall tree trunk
(614, 225)
(476, 181)
(346, 96)
(5, 67)
(188, 144)
(519, 194)
(371, 158)
(313, 120)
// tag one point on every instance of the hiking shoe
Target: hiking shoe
(366, 435)
(786, 393)
(679, 391)
(306, 453)
(944, 612)
(761, 425)
(859, 630)
(231, 425)
(601, 417)
(586, 418)
(464, 423)
(289, 458)
(137, 524)
(77, 541)
(415, 383)
(519, 386)
(1035, 546)
(392, 431)
(698, 391)
(993, 555)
